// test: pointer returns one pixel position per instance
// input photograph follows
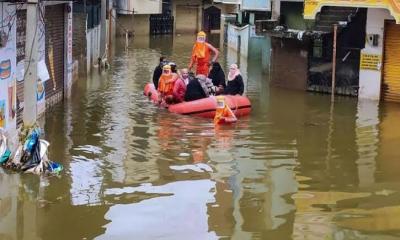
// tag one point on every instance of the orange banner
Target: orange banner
(312, 7)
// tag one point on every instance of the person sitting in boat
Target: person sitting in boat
(201, 54)
(158, 71)
(207, 85)
(166, 85)
(173, 67)
(194, 90)
(180, 85)
(235, 82)
(217, 76)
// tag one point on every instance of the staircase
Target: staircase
(334, 15)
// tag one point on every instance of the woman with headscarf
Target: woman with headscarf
(201, 55)
(235, 81)
(217, 75)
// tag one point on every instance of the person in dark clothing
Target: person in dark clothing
(173, 67)
(235, 81)
(217, 75)
(194, 90)
(158, 71)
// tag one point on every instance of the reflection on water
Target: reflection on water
(294, 169)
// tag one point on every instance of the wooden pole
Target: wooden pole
(335, 27)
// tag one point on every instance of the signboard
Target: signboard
(256, 5)
(312, 7)
(370, 62)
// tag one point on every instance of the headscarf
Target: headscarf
(173, 67)
(233, 72)
(199, 48)
(217, 75)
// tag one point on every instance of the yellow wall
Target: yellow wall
(312, 7)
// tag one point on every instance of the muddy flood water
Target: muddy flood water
(294, 169)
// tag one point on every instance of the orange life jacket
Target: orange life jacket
(201, 53)
(166, 84)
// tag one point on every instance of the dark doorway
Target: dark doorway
(212, 19)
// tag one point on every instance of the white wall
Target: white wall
(370, 80)
(233, 38)
(93, 46)
(147, 6)
(139, 6)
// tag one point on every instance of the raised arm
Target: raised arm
(215, 51)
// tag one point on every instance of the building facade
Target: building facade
(54, 58)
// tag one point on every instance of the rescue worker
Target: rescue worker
(166, 85)
(201, 55)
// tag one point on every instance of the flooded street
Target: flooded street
(296, 168)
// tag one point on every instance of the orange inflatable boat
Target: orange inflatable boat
(205, 107)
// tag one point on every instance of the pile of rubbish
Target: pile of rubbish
(29, 155)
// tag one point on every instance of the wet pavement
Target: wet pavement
(296, 168)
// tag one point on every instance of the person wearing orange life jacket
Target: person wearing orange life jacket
(166, 85)
(201, 55)
(223, 113)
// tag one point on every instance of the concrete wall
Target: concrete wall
(125, 23)
(138, 24)
(370, 80)
(234, 33)
(188, 16)
(141, 24)
(93, 46)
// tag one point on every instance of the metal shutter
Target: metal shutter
(54, 22)
(391, 67)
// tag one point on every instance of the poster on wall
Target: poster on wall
(7, 65)
(41, 98)
(12, 103)
(2, 113)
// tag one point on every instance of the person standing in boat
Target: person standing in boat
(217, 76)
(158, 71)
(166, 85)
(201, 55)
(180, 85)
(235, 84)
